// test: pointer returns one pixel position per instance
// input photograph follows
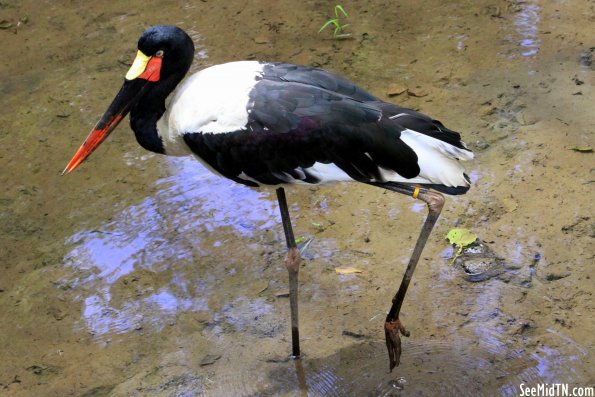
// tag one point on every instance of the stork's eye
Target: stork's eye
(159, 54)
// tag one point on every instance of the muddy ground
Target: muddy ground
(140, 275)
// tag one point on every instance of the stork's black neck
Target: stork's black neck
(148, 110)
(144, 125)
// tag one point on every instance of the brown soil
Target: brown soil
(144, 276)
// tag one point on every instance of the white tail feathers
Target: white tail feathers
(439, 162)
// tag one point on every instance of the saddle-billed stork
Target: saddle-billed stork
(272, 124)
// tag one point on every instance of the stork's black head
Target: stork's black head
(170, 44)
(164, 56)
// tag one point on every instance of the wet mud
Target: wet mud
(140, 275)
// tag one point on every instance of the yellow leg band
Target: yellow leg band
(416, 192)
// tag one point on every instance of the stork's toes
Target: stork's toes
(393, 341)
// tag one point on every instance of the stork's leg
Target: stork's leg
(392, 326)
(292, 263)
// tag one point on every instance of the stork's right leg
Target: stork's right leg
(393, 326)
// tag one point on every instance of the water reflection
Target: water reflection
(192, 203)
(526, 19)
(214, 202)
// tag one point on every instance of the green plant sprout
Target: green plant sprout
(338, 33)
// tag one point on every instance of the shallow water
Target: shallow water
(144, 275)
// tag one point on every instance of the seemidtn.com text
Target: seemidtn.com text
(556, 390)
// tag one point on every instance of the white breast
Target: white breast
(214, 100)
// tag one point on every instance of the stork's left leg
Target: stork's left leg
(292, 263)
(392, 326)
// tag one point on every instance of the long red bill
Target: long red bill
(128, 95)
(94, 139)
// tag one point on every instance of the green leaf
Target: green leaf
(336, 32)
(5, 24)
(338, 8)
(327, 23)
(318, 226)
(461, 237)
(582, 149)
(304, 246)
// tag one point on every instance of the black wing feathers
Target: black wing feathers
(298, 116)
(352, 134)
(421, 123)
(316, 78)
(293, 125)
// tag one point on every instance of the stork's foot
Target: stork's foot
(393, 341)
